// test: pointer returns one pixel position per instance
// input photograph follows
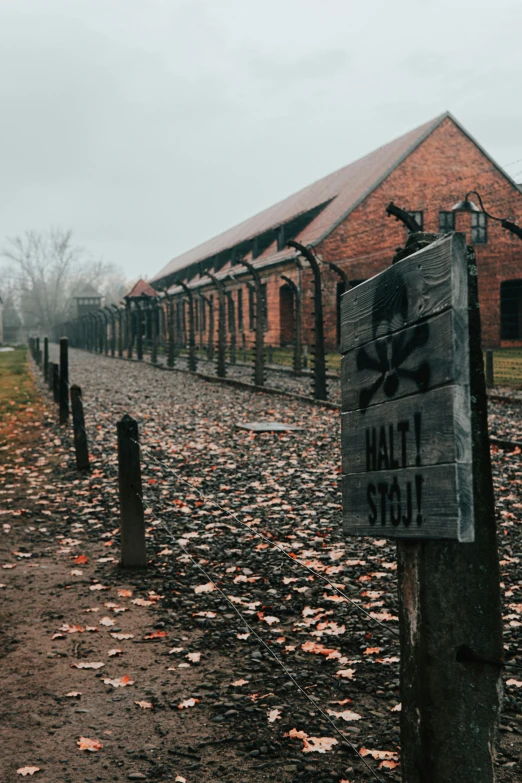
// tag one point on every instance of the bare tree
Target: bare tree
(46, 270)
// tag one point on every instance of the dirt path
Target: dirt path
(240, 702)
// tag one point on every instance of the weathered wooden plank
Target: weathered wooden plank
(427, 429)
(424, 284)
(411, 361)
(420, 502)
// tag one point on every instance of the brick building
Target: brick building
(342, 216)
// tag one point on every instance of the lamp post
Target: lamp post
(469, 206)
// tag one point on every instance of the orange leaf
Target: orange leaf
(81, 560)
(145, 705)
(27, 770)
(84, 743)
(156, 635)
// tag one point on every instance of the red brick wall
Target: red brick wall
(432, 179)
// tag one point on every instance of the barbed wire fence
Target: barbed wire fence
(107, 464)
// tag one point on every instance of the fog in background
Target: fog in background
(148, 126)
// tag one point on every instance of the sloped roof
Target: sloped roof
(87, 290)
(344, 189)
(141, 288)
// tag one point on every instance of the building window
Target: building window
(240, 309)
(281, 238)
(511, 310)
(446, 222)
(479, 228)
(419, 218)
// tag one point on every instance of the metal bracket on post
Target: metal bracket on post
(259, 359)
(132, 520)
(221, 362)
(320, 387)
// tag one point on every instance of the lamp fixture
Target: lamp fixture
(469, 206)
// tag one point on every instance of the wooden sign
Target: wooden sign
(406, 419)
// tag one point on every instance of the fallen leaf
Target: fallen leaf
(273, 715)
(194, 657)
(318, 744)
(180, 779)
(242, 635)
(122, 636)
(114, 652)
(318, 649)
(145, 705)
(208, 588)
(346, 673)
(76, 572)
(98, 587)
(516, 683)
(85, 665)
(141, 602)
(27, 770)
(106, 621)
(346, 715)
(397, 708)
(271, 620)
(176, 650)
(239, 683)
(188, 703)
(121, 682)
(81, 560)
(388, 764)
(379, 754)
(156, 635)
(204, 614)
(71, 628)
(84, 743)
(73, 694)
(58, 636)
(124, 593)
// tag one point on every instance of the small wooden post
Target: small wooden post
(80, 435)
(132, 524)
(490, 376)
(38, 352)
(56, 382)
(46, 358)
(64, 381)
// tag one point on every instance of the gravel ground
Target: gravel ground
(217, 499)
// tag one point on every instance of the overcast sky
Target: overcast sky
(148, 126)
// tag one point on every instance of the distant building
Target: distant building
(342, 216)
(87, 299)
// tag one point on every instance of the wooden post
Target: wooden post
(319, 376)
(221, 368)
(132, 524)
(451, 623)
(46, 358)
(38, 352)
(139, 331)
(232, 325)
(192, 358)
(56, 382)
(259, 358)
(80, 435)
(412, 359)
(64, 380)
(153, 306)
(298, 348)
(490, 376)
